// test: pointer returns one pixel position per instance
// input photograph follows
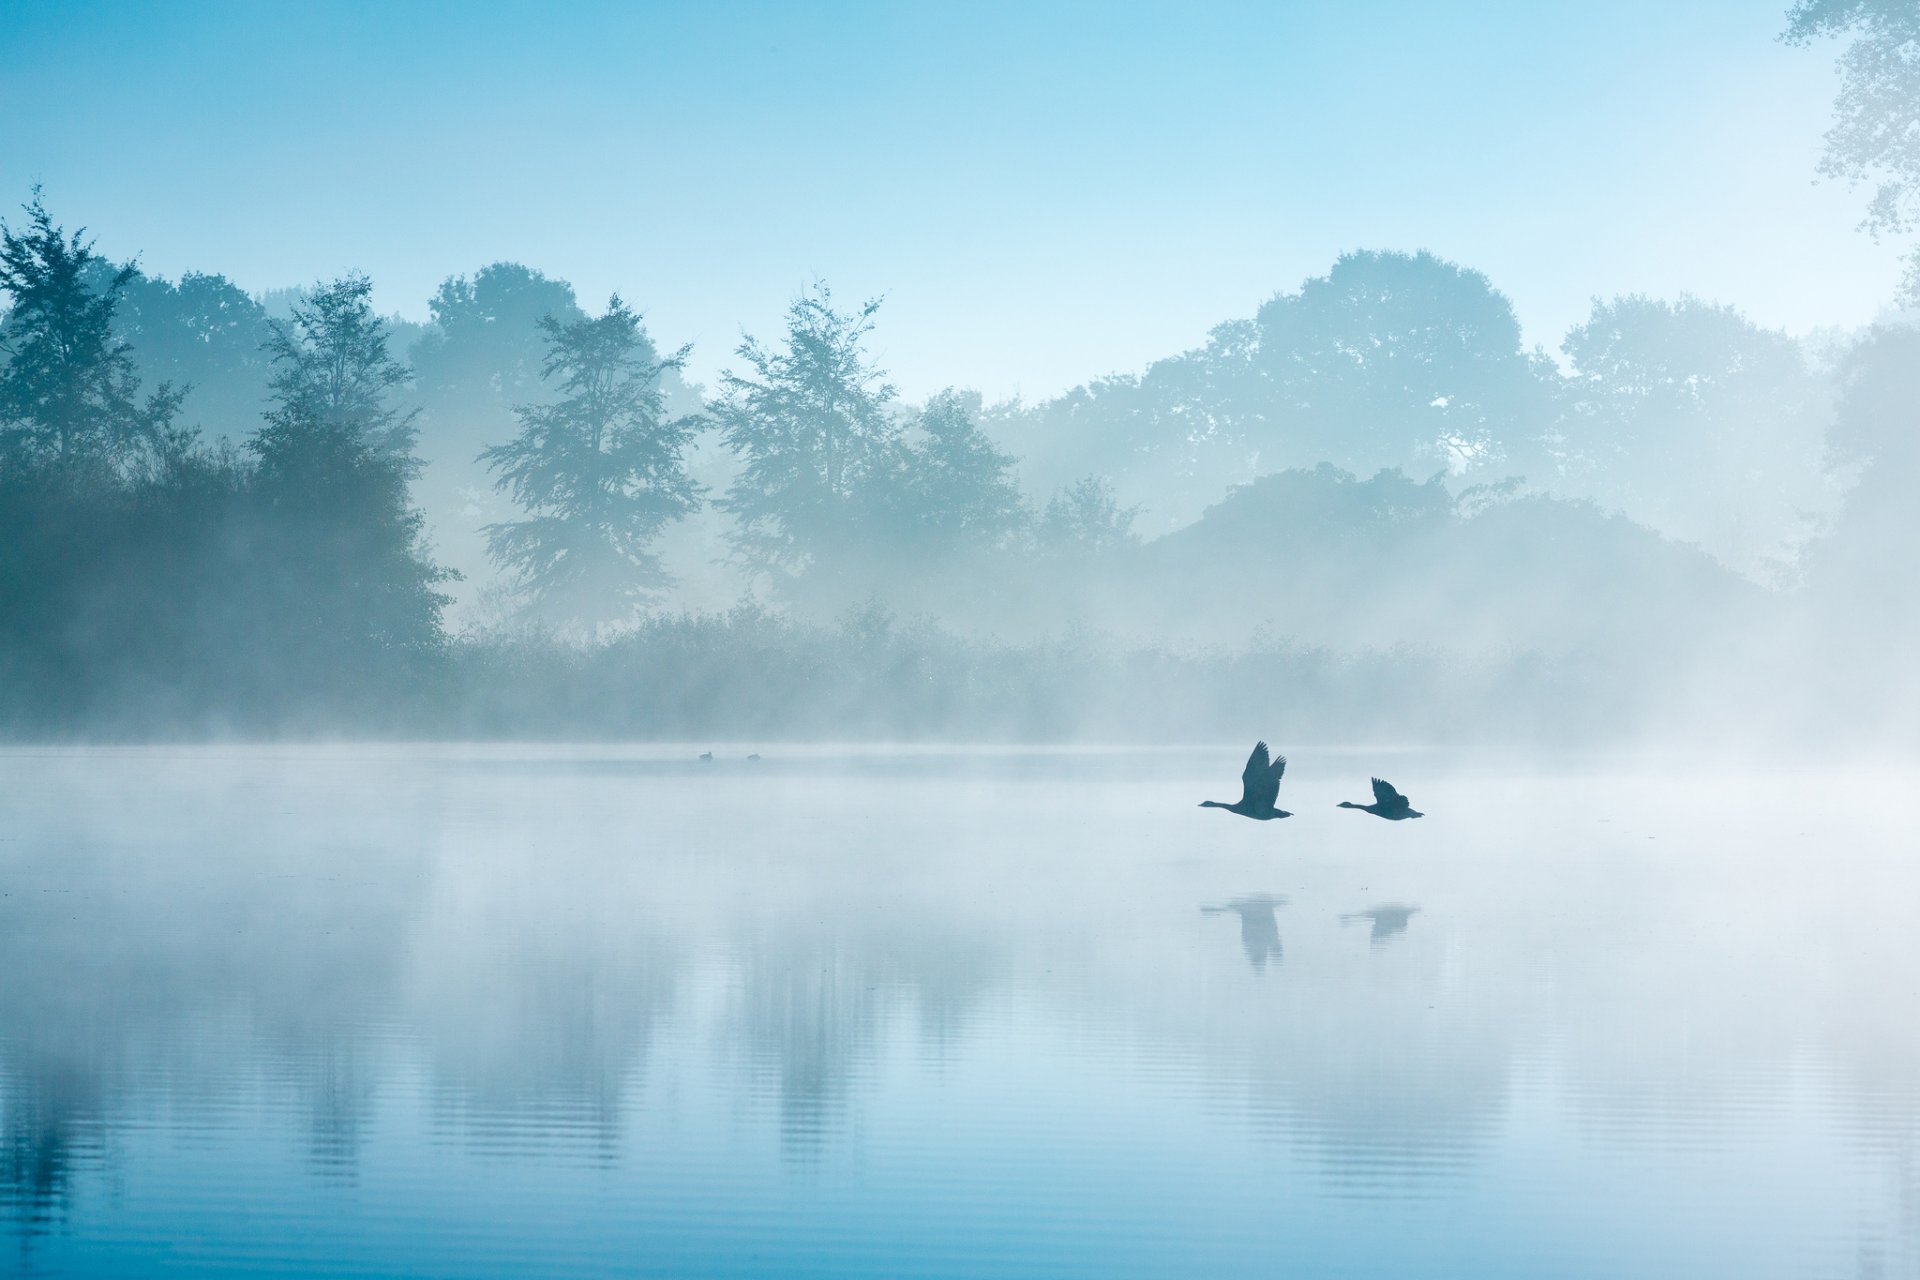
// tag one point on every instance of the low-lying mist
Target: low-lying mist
(1367, 513)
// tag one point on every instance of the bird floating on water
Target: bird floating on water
(707, 756)
(1387, 803)
(1259, 787)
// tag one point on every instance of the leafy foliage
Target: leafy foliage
(956, 490)
(811, 423)
(1698, 421)
(1875, 138)
(599, 471)
(1086, 519)
(68, 390)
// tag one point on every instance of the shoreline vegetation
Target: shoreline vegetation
(224, 516)
(756, 675)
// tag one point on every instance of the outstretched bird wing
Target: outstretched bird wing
(1386, 797)
(1260, 780)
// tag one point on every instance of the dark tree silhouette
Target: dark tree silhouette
(957, 490)
(481, 359)
(69, 394)
(811, 422)
(333, 381)
(204, 335)
(600, 472)
(346, 582)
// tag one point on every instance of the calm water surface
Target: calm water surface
(471, 1011)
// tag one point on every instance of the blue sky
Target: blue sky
(1044, 192)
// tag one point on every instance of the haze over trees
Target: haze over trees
(812, 424)
(599, 472)
(221, 511)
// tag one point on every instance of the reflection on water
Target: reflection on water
(1388, 919)
(465, 1011)
(1259, 926)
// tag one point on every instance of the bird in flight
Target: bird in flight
(1259, 787)
(1387, 803)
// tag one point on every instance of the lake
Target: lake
(518, 1011)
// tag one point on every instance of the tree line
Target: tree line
(281, 558)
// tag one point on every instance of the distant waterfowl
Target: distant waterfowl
(1259, 787)
(1387, 803)
(707, 756)
(1388, 919)
(754, 756)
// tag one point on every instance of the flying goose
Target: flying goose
(1259, 787)
(1387, 803)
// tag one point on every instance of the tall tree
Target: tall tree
(599, 471)
(1395, 359)
(333, 381)
(68, 392)
(350, 576)
(204, 334)
(1875, 138)
(1085, 519)
(1875, 443)
(1388, 360)
(1693, 419)
(811, 422)
(481, 357)
(957, 490)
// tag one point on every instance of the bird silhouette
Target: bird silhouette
(1259, 787)
(707, 756)
(1387, 803)
(1389, 918)
(1259, 927)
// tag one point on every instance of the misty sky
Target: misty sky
(1044, 195)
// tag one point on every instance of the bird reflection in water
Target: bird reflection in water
(1389, 919)
(1259, 927)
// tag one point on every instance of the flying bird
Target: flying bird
(1259, 787)
(1387, 803)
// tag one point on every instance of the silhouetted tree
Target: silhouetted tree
(347, 581)
(1394, 359)
(204, 335)
(478, 360)
(956, 489)
(1859, 569)
(1085, 518)
(1877, 112)
(481, 358)
(599, 472)
(1693, 419)
(812, 425)
(1390, 359)
(333, 380)
(68, 391)
(1174, 437)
